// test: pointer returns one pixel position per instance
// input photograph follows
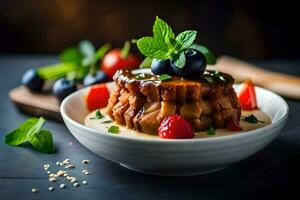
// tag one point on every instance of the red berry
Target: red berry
(174, 127)
(233, 125)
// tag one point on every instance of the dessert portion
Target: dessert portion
(141, 101)
(176, 97)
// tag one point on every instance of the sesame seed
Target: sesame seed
(83, 171)
(34, 190)
(86, 173)
(73, 180)
(48, 172)
(57, 163)
(51, 188)
(62, 186)
(85, 161)
(76, 184)
(65, 174)
(71, 166)
(84, 182)
(52, 179)
(61, 164)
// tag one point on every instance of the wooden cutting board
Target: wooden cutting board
(47, 106)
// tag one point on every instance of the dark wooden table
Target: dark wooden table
(273, 173)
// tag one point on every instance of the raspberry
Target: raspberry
(174, 127)
(233, 125)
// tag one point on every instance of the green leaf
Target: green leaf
(185, 39)
(179, 60)
(18, 136)
(87, 48)
(42, 141)
(30, 130)
(126, 49)
(252, 119)
(146, 63)
(164, 77)
(211, 131)
(210, 58)
(35, 128)
(87, 61)
(98, 115)
(149, 47)
(162, 32)
(71, 55)
(114, 129)
(102, 51)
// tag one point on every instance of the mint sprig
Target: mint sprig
(164, 45)
(31, 131)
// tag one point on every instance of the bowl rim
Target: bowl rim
(237, 136)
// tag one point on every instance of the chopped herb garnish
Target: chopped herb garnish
(98, 115)
(114, 129)
(252, 119)
(164, 77)
(216, 74)
(140, 76)
(211, 131)
(107, 122)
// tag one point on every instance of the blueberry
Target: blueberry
(32, 80)
(159, 67)
(99, 77)
(194, 67)
(63, 87)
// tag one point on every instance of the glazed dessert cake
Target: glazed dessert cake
(142, 101)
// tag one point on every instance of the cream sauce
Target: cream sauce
(104, 123)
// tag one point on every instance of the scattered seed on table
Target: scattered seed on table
(51, 188)
(57, 163)
(52, 179)
(48, 172)
(83, 171)
(73, 180)
(34, 190)
(87, 173)
(85, 161)
(76, 184)
(62, 186)
(84, 182)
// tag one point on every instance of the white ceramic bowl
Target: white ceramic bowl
(175, 157)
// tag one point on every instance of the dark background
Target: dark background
(246, 29)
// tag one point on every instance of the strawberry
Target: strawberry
(174, 127)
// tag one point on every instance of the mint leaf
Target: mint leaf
(114, 129)
(185, 39)
(71, 55)
(162, 32)
(210, 58)
(146, 63)
(30, 130)
(151, 48)
(180, 60)
(35, 128)
(42, 141)
(18, 136)
(164, 77)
